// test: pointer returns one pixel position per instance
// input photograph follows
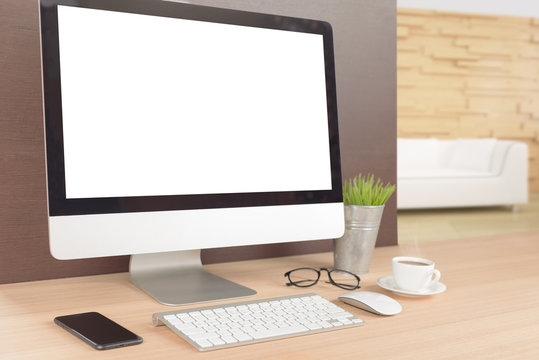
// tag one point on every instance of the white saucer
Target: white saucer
(387, 282)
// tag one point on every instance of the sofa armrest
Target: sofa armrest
(507, 154)
(513, 171)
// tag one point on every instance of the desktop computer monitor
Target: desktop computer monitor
(172, 128)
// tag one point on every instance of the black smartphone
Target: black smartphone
(97, 330)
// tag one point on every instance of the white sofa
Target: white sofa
(435, 173)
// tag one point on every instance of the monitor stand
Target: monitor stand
(177, 278)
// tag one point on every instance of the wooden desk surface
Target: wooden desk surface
(490, 310)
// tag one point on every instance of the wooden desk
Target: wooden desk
(490, 310)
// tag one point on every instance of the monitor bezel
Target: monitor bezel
(60, 205)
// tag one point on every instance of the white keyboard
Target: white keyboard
(234, 324)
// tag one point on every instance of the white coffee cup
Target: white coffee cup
(413, 273)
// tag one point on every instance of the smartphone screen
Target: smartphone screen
(97, 330)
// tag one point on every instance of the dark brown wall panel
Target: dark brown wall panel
(364, 33)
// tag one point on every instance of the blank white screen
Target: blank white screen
(163, 106)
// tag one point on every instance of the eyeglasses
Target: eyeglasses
(305, 277)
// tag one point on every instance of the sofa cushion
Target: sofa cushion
(417, 153)
(472, 154)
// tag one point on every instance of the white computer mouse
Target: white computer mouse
(376, 303)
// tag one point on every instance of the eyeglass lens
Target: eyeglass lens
(344, 279)
(304, 277)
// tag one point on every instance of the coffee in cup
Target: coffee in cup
(413, 273)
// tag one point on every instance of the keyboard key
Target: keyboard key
(204, 335)
(278, 332)
(242, 336)
(223, 332)
(203, 343)
(183, 327)
(326, 325)
(229, 339)
(217, 341)
(312, 326)
(341, 315)
(193, 331)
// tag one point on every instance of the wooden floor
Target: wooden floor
(445, 224)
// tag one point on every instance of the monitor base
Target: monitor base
(178, 278)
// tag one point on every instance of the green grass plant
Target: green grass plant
(364, 191)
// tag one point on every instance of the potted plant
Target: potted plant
(364, 200)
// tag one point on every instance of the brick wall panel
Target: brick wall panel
(469, 75)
